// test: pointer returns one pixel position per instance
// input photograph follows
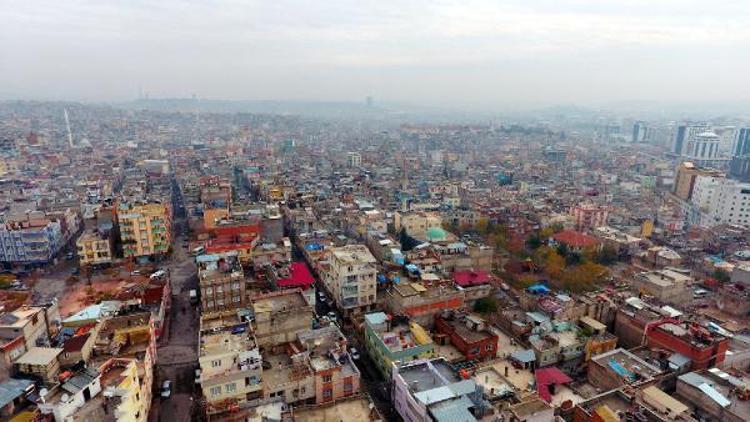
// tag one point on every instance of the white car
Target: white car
(354, 353)
(197, 376)
(166, 389)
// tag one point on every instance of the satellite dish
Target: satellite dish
(64, 398)
(43, 392)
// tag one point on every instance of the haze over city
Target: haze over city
(374, 211)
(476, 54)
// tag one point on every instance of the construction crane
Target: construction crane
(67, 126)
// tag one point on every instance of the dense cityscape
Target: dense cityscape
(177, 265)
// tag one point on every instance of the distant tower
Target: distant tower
(67, 126)
(369, 101)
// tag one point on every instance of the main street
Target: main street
(178, 350)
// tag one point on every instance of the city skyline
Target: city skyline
(476, 55)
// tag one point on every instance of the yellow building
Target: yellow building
(94, 249)
(145, 229)
(416, 224)
(231, 369)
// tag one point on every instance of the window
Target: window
(209, 290)
(216, 391)
(236, 299)
(215, 363)
(326, 378)
(236, 286)
(231, 388)
(327, 393)
(488, 347)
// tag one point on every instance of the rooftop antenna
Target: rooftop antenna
(67, 125)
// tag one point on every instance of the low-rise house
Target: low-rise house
(40, 362)
(469, 334)
(336, 375)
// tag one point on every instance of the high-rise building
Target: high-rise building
(684, 133)
(739, 167)
(703, 149)
(640, 132)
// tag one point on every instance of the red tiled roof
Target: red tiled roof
(471, 278)
(575, 239)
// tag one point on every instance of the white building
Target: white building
(704, 148)
(351, 279)
(721, 201)
(354, 159)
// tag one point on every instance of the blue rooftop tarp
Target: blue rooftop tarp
(313, 247)
(538, 289)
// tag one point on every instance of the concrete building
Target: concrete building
(34, 240)
(722, 201)
(422, 301)
(354, 159)
(712, 398)
(95, 248)
(430, 390)
(469, 334)
(229, 360)
(703, 348)
(351, 279)
(534, 410)
(687, 172)
(336, 375)
(388, 342)
(145, 228)
(587, 216)
(40, 362)
(280, 316)
(703, 149)
(668, 285)
(416, 224)
(618, 368)
(222, 282)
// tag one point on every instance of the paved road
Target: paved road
(178, 353)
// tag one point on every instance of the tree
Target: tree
(533, 241)
(721, 276)
(554, 264)
(607, 256)
(485, 305)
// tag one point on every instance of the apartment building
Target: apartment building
(145, 228)
(94, 248)
(336, 375)
(34, 240)
(388, 342)
(229, 360)
(350, 279)
(222, 281)
(280, 316)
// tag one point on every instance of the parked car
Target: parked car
(354, 353)
(332, 316)
(198, 376)
(166, 389)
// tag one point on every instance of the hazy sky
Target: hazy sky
(467, 53)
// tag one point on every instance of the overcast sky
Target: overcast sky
(466, 53)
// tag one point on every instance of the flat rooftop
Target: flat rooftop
(284, 301)
(357, 409)
(427, 375)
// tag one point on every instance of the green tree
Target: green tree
(485, 305)
(533, 241)
(607, 255)
(721, 275)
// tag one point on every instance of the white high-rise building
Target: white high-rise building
(703, 149)
(721, 201)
